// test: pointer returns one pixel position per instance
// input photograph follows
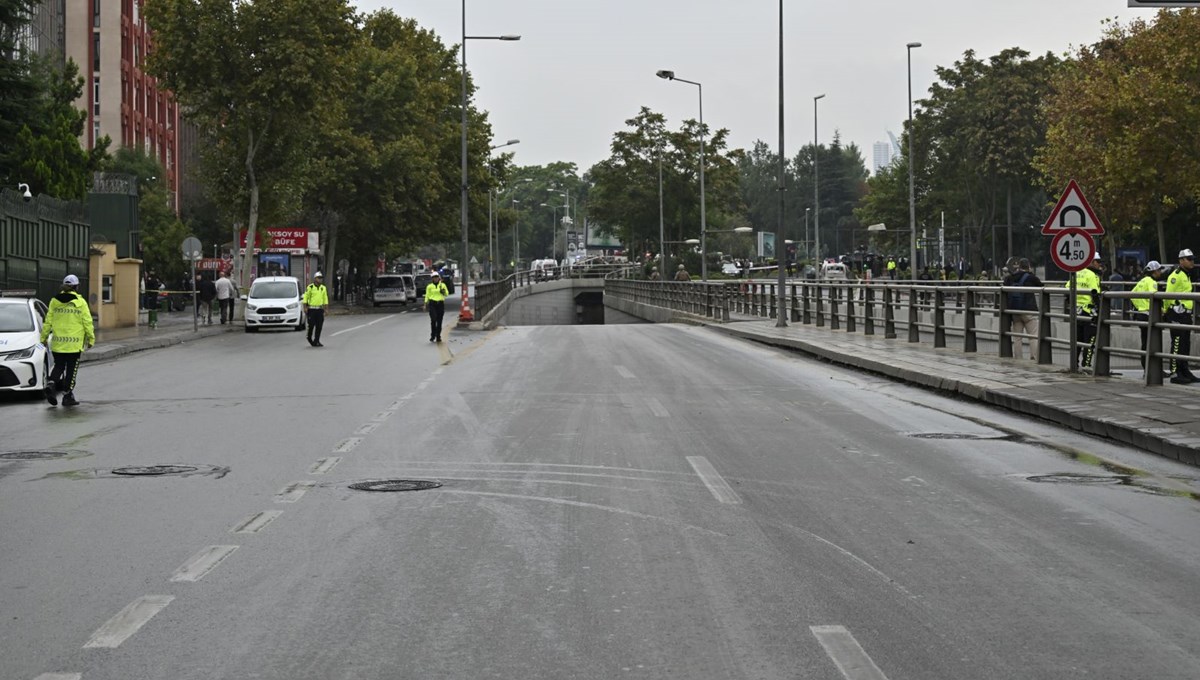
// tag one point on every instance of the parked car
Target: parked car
(834, 271)
(390, 289)
(24, 360)
(730, 269)
(422, 281)
(274, 302)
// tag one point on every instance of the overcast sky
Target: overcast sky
(583, 67)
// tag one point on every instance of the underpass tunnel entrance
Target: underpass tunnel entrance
(589, 308)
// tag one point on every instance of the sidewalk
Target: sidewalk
(1163, 420)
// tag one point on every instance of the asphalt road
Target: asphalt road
(623, 501)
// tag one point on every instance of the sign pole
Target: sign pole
(1074, 330)
(195, 308)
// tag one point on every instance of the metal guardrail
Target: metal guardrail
(920, 309)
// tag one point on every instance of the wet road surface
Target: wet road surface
(622, 501)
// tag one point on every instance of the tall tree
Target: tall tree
(256, 76)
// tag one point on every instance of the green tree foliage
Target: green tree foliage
(388, 160)
(624, 193)
(18, 87)
(1124, 121)
(160, 232)
(258, 77)
(46, 153)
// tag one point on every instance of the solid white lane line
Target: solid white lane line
(367, 429)
(364, 325)
(127, 621)
(201, 563)
(324, 465)
(292, 492)
(657, 408)
(625, 372)
(60, 676)
(256, 522)
(849, 656)
(347, 445)
(713, 480)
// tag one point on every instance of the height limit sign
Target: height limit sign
(1072, 250)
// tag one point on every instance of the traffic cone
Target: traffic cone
(464, 313)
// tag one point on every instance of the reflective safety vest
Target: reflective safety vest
(1178, 282)
(891, 265)
(1148, 284)
(316, 295)
(69, 321)
(436, 292)
(1086, 281)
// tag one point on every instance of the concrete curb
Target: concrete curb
(1162, 441)
(120, 348)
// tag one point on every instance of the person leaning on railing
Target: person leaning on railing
(1179, 311)
(1023, 323)
(1141, 306)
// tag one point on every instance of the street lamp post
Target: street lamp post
(807, 240)
(912, 201)
(466, 249)
(670, 75)
(491, 257)
(816, 177)
(781, 313)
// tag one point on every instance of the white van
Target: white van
(834, 271)
(274, 302)
(390, 289)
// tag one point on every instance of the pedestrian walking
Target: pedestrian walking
(150, 288)
(226, 294)
(1141, 306)
(206, 292)
(891, 268)
(681, 274)
(69, 324)
(1087, 288)
(435, 303)
(316, 301)
(1179, 311)
(1017, 302)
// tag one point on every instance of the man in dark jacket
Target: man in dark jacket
(1023, 307)
(206, 292)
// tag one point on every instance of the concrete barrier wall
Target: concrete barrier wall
(542, 304)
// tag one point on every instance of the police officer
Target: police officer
(316, 301)
(1087, 287)
(435, 304)
(69, 321)
(1141, 306)
(1180, 311)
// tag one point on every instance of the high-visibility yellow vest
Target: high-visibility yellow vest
(1086, 281)
(436, 292)
(1148, 284)
(316, 295)
(1178, 282)
(69, 321)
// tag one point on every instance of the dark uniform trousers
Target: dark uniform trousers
(436, 311)
(316, 320)
(66, 367)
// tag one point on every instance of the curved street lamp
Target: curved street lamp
(670, 75)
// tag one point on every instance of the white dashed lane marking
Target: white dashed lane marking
(126, 622)
(625, 372)
(324, 465)
(364, 325)
(60, 676)
(293, 492)
(713, 480)
(201, 563)
(347, 445)
(367, 429)
(256, 522)
(849, 656)
(657, 408)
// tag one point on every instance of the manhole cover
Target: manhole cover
(396, 485)
(32, 455)
(152, 470)
(1080, 478)
(960, 435)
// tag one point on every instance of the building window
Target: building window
(96, 96)
(95, 51)
(95, 130)
(96, 13)
(137, 13)
(106, 289)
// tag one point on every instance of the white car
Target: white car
(274, 302)
(24, 360)
(390, 288)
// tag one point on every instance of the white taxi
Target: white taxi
(24, 360)
(274, 302)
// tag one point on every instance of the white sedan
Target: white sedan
(24, 360)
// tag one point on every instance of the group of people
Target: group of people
(315, 302)
(1176, 311)
(222, 290)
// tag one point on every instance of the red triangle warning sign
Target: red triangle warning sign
(1073, 212)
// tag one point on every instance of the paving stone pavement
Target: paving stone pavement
(1163, 420)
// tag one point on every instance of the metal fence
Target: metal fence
(935, 312)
